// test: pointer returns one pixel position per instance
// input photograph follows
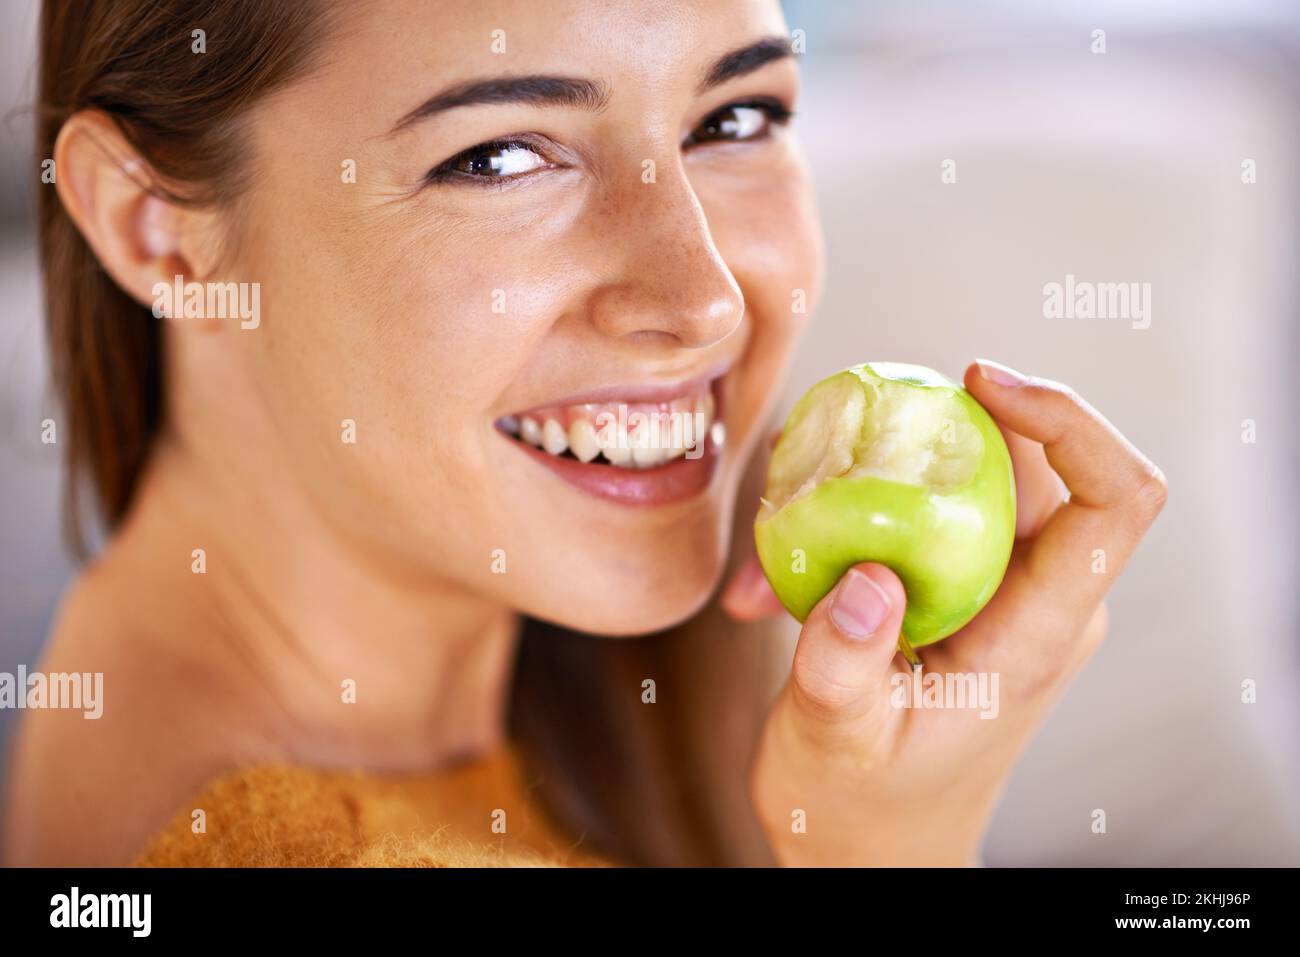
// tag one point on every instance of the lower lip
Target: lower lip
(674, 481)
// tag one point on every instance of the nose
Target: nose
(669, 281)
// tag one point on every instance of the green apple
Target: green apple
(894, 464)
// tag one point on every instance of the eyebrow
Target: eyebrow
(536, 90)
(575, 93)
(746, 60)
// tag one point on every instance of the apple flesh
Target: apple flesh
(896, 464)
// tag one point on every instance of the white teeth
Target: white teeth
(676, 430)
(554, 439)
(617, 455)
(643, 456)
(582, 440)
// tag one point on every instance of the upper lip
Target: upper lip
(643, 392)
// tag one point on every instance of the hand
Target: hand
(883, 785)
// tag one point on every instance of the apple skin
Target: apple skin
(950, 549)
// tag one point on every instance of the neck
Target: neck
(339, 657)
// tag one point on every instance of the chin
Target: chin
(644, 618)
(626, 599)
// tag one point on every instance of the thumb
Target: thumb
(839, 682)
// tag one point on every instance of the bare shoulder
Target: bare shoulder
(118, 726)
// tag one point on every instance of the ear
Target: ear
(140, 239)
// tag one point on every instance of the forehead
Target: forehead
(382, 52)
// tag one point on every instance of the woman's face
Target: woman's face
(637, 235)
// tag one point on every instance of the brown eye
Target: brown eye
(502, 159)
(739, 121)
(498, 159)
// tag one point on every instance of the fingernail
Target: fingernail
(997, 373)
(859, 605)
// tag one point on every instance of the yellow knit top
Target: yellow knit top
(475, 814)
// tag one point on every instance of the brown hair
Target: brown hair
(651, 784)
(132, 60)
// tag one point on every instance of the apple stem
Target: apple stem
(907, 651)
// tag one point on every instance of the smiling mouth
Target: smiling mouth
(650, 451)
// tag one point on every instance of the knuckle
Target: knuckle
(1149, 497)
(819, 694)
(1038, 683)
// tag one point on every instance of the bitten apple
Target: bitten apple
(896, 464)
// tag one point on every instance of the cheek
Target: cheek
(771, 240)
(400, 338)
(397, 322)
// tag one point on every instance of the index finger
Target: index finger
(1116, 492)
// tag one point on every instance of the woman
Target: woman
(344, 504)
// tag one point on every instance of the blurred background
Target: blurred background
(1117, 166)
